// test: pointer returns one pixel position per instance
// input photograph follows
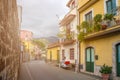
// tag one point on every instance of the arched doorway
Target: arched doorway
(118, 59)
(89, 59)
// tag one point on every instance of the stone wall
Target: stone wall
(9, 40)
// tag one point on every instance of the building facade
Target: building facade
(53, 53)
(68, 28)
(100, 46)
(27, 47)
(9, 40)
(26, 35)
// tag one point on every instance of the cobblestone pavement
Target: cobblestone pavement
(39, 70)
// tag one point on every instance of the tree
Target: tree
(39, 43)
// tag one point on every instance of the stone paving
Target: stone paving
(39, 70)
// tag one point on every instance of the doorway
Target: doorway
(90, 59)
(118, 59)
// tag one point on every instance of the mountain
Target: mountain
(50, 39)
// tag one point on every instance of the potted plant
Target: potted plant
(104, 25)
(105, 70)
(98, 18)
(86, 27)
(97, 22)
(108, 18)
(117, 21)
(81, 36)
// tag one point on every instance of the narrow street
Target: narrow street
(39, 70)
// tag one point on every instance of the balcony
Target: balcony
(100, 26)
(67, 19)
(67, 42)
(113, 29)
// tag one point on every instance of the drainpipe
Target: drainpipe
(78, 42)
(79, 54)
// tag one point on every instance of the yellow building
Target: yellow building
(28, 50)
(100, 46)
(53, 52)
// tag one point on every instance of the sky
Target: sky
(42, 17)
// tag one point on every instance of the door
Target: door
(50, 55)
(90, 59)
(63, 54)
(118, 59)
(58, 56)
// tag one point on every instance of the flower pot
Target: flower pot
(105, 76)
(118, 22)
(104, 26)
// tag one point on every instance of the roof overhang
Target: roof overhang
(53, 45)
(67, 19)
(86, 5)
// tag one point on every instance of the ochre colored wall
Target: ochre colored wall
(118, 2)
(103, 48)
(82, 2)
(54, 53)
(98, 8)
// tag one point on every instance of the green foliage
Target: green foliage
(81, 36)
(39, 43)
(105, 69)
(108, 17)
(60, 35)
(97, 22)
(89, 27)
(97, 27)
(78, 28)
(85, 24)
(69, 36)
(98, 18)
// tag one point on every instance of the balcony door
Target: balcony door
(90, 59)
(111, 6)
(118, 59)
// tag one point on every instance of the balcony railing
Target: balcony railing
(67, 41)
(100, 26)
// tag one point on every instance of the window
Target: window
(71, 53)
(88, 17)
(111, 6)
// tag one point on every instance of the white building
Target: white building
(68, 27)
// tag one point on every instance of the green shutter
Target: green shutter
(118, 60)
(90, 59)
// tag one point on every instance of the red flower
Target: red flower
(67, 62)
